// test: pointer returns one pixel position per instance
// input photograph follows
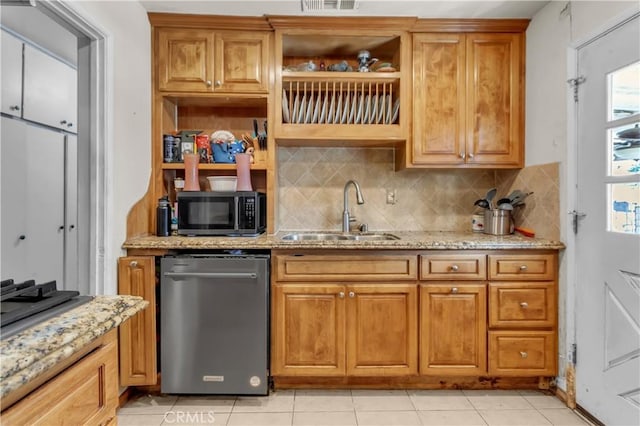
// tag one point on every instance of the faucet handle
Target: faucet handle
(352, 218)
(364, 227)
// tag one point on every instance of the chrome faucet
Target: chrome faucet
(346, 218)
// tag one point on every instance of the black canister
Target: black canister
(163, 217)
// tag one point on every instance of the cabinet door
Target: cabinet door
(495, 86)
(50, 91)
(453, 338)
(382, 329)
(11, 94)
(439, 99)
(241, 61)
(307, 330)
(71, 215)
(185, 60)
(138, 350)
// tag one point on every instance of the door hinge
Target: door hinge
(574, 354)
(576, 219)
(574, 83)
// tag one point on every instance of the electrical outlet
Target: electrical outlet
(391, 196)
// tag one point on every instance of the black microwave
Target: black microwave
(242, 213)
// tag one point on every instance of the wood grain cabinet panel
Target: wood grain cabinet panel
(526, 305)
(85, 393)
(307, 330)
(138, 364)
(242, 61)
(453, 329)
(185, 60)
(453, 266)
(522, 353)
(382, 330)
(516, 267)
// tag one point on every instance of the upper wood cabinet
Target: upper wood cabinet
(203, 60)
(468, 100)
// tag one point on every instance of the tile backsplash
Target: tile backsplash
(311, 183)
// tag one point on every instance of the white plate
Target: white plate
(358, 118)
(381, 109)
(316, 108)
(338, 110)
(294, 109)
(285, 106)
(396, 110)
(301, 109)
(365, 110)
(353, 108)
(373, 109)
(331, 111)
(323, 112)
(345, 108)
(307, 118)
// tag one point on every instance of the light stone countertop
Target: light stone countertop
(26, 355)
(414, 240)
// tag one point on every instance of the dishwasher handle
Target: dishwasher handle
(235, 275)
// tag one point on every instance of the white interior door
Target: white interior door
(608, 240)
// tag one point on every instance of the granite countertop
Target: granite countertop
(408, 241)
(32, 352)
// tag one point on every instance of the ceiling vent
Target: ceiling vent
(329, 5)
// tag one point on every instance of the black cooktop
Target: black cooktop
(25, 304)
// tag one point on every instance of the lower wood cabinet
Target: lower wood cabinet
(453, 329)
(84, 393)
(138, 365)
(522, 353)
(335, 329)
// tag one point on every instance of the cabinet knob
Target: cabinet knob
(60, 228)
(14, 108)
(462, 155)
(69, 124)
(341, 295)
(208, 83)
(524, 354)
(63, 122)
(352, 294)
(134, 264)
(455, 268)
(454, 290)
(22, 237)
(470, 155)
(218, 83)
(524, 305)
(71, 227)
(523, 268)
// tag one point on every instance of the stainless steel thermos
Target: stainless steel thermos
(163, 217)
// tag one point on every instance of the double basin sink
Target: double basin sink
(320, 236)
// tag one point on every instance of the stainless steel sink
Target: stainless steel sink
(313, 236)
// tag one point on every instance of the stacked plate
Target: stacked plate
(339, 107)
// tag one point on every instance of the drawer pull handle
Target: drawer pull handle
(341, 295)
(523, 268)
(455, 268)
(352, 294)
(454, 290)
(524, 354)
(134, 264)
(524, 305)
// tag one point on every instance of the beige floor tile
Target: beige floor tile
(260, 419)
(387, 418)
(513, 418)
(217, 404)
(149, 404)
(439, 400)
(451, 418)
(562, 416)
(339, 418)
(381, 400)
(276, 402)
(323, 400)
(140, 420)
(544, 401)
(497, 400)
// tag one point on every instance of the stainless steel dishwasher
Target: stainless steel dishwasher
(214, 324)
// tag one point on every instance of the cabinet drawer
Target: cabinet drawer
(522, 267)
(453, 267)
(522, 353)
(522, 305)
(345, 268)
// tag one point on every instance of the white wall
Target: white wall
(129, 117)
(552, 37)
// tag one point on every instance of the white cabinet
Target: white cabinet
(33, 193)
(11, 93)
(50, 91)
(71, 213)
